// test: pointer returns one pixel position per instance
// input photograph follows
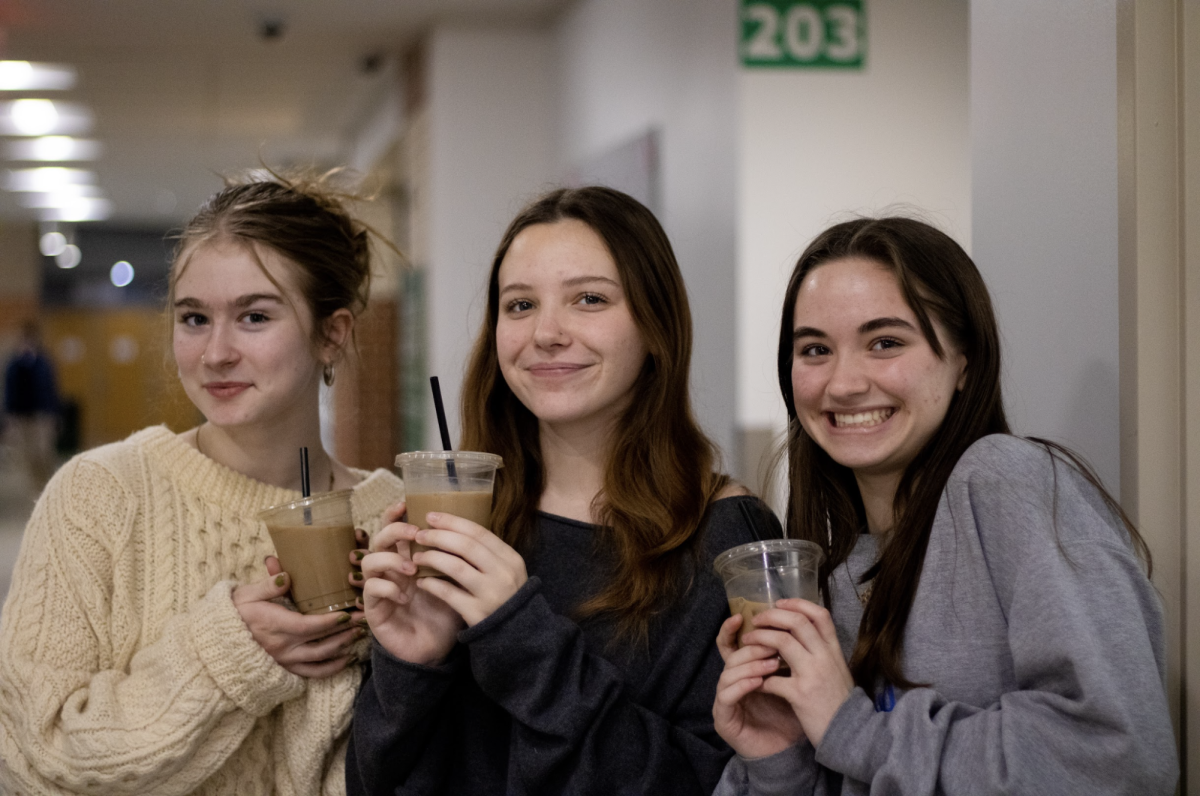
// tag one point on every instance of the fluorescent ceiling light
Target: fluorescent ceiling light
(47, 179)
(26, 76)
(84, 209)
(43, 117)
(69, 196)
(53, 148)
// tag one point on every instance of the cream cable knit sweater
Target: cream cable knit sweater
(124, 666)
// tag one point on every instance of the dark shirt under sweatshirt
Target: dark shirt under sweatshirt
(533, 702)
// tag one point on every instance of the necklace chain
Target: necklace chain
(200, 450)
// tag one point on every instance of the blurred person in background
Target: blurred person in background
(572, 651)
(31, 405)
(145, 645)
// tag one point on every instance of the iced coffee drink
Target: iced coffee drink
(313, 539)
(759, 574)
(450, 482)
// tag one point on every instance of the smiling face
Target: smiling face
(868, 387)
(244, 346)
(566, 341)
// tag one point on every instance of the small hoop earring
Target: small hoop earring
(202, 359)
(328, 375)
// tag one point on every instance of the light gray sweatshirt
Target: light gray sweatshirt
(1040, 637)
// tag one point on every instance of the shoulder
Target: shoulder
(1029, 489)
(116, 464)
(738, 519)
(97, 491)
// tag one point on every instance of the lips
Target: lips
(555, 368)
(866, 419)
(226, 389)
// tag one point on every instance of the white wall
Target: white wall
(625, 66)
(491, 149)
(818, 146)
(1044, 172)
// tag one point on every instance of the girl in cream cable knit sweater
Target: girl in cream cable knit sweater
(142, 650)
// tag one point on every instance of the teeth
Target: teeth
(862, 419)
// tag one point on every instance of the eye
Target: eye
(255, 317)
(517, 306)
(592, 299)
(192, 319)
(886, 344)
(812, 350)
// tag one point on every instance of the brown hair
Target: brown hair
(659, 477)
(938, 280)
(305, 220)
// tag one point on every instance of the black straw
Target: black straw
(442, 427)
(305, 487)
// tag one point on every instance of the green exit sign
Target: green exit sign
(812, 34)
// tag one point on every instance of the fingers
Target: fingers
(324, 649)
(383, 589)
(463, 526)
(727, 636)
(818, 615)
(793, 623)
(318, 671)
(395, 512)
(393, 537)
(392, 566)
(273, 565)
(268, 588)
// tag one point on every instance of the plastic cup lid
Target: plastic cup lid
(308, 502)
(473, 457)
(767, 546)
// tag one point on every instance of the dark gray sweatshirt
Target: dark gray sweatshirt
(533, 702)
(1041, 638)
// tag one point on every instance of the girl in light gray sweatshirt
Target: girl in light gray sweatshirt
(989, 626)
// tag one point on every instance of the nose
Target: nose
(549, 331)
(847, 379)
(219, 349)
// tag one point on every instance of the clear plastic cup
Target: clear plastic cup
(452, 482)
(313, 539)
(759, 574)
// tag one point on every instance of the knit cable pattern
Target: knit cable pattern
(124, 666)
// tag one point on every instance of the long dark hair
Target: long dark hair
(938, 280)
(659, 477)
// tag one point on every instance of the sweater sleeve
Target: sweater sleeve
(577, 728)
(1085, 634)
(81, 713)
(791, 772)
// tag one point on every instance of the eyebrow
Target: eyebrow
(572, 282)
(873, 325)
(239, 302)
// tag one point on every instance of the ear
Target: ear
(962, 373)
(338, 328)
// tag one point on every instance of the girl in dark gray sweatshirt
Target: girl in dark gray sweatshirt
(989, 626)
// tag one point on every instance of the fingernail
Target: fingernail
(433, 516)
(280, 580)
(359, 633)
(359, 554)
(356, 575)
(343, 619)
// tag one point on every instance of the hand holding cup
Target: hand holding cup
(752, 722)
(411, 624)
